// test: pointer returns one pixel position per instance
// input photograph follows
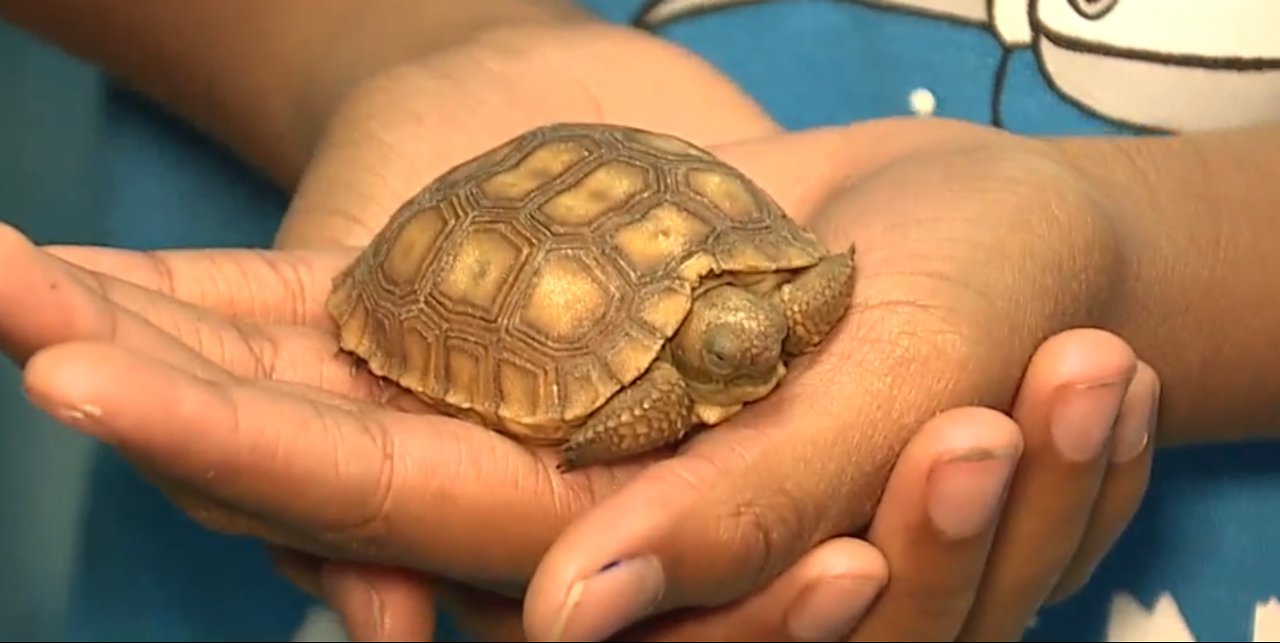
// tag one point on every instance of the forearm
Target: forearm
(1199, 298)
(262, 77)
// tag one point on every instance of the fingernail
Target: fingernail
(1083, 419)
(1133, 434)
(81, 416)
(828, 609)
(617, 596)
(966, 491)
(84, 418)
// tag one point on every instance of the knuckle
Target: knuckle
(708, 537)
(764, 534)
(732, 537)
(368, 526)
(748, 531)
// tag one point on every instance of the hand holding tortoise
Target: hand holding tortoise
(974, 246)
(922, 341)
(1119, 271)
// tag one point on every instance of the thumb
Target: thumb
(701, 529)
(743, 501)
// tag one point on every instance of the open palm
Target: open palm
(249, 326)
(234, 347)
(310, 450)
(247, 329)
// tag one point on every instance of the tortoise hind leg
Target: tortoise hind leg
(815, 301)
(655, 411)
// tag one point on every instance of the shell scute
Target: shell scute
(528, 285)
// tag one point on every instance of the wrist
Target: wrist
(1128, 188)
(1194, 213)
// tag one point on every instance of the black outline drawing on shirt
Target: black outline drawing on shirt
(1089, 9)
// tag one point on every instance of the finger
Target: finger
(210, 513)
(1067, 408)
(345, 480)
(296, 354)
(1125, 483)
(250, 289)
(820, 598)
(43, 303)
(481, 615)
(54, 306)
(47, 302)
(380, 603)
(375, 603)
(276, 287)
(52, 301)
(936, 522)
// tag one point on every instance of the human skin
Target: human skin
(80, 333)
(1174, 194)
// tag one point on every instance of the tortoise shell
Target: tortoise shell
(525, 287)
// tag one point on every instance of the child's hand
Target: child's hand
(1042, 540)
(974, 247)
(964, 562)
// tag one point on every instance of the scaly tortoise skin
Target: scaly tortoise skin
(599, 287)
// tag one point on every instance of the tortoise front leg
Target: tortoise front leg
(815, 301)
(655, 411)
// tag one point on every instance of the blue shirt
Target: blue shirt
(1193, 565)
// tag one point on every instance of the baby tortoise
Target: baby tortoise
(598, 287)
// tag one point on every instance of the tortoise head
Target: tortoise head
(729, 348)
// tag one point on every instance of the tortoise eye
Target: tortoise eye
(1093, 9)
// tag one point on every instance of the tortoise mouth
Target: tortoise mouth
(737, 388)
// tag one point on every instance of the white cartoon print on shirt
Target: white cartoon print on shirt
(1164, 65)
